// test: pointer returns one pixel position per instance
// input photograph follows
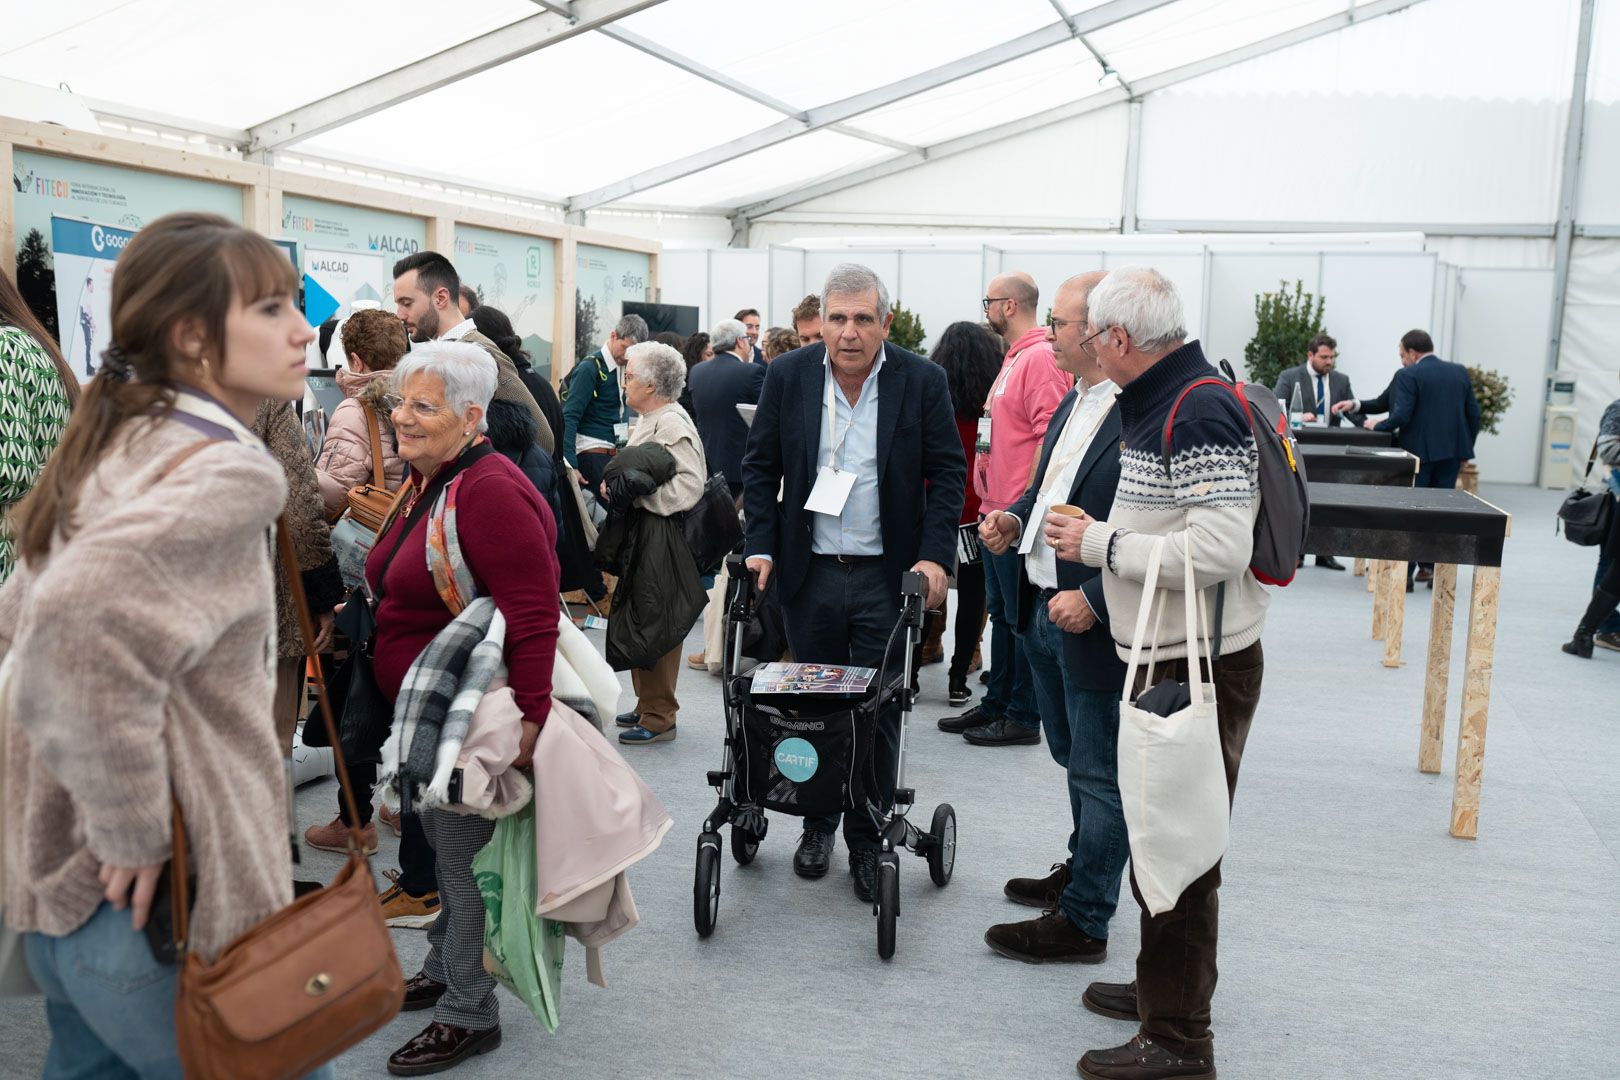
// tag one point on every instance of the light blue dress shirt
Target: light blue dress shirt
(858, 530)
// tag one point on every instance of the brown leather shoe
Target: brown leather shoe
(1423, 574)
(421, 992)
(1049, 938)
(1117, 1000)
(1143, 1059)
(1041, 892)
(441, 1046)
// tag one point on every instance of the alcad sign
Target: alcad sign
(397, 245)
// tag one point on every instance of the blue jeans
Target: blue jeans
(1008, 692)
(109, 1004)
(1082, 732)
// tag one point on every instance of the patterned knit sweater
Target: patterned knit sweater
(33, 415)
(1207, 503)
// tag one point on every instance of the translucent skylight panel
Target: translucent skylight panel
(231, 64)
(766, 173)
(567, 119)
(809, 54)
(1190, 30)
(1041, 81)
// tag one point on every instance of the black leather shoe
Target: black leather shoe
(421, 992)
(1328, 562)
(439, 1047)
(628, 719)
(1039, 892)
(1143, 1059)
(814, 854)
(1049, 938)
(1117, 1000)
(863, 869)
(1002, 732)
(974, 717)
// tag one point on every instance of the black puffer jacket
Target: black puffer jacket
(659, 595)
(512, 430)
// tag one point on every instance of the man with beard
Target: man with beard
(1021, 402)
(427, 295)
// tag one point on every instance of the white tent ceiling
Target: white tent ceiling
(720, 105)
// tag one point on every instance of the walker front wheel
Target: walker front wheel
(706, 884)
(942, 848)
(888, 902)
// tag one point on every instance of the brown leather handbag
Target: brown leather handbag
(304, 985)
(369, 503)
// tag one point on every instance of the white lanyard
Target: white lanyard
(1055, 469)
(835, 445)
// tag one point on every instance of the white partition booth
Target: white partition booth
(1376, 287)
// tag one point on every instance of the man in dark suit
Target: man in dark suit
(1076, 671)
(860, 439)
(1320, 386)
(1434, 414)
(719, 384)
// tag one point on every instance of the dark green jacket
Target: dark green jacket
(590, 403)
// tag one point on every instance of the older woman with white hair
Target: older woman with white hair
(657, 477)
(488, 533)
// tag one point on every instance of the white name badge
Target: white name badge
(831, 492)
(982, 445)
(1033, 527)
(621, 433)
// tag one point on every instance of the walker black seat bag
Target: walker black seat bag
(803, 758)
(1285, 502)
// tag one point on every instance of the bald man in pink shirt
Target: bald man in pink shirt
(1021, 402)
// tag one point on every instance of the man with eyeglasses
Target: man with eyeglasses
(1016, 413)
(1323, 388)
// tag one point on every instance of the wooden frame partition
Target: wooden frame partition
(263, 189)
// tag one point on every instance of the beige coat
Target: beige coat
(345, 460)
(142, 662)
(670, 427)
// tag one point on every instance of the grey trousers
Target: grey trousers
(456, 938)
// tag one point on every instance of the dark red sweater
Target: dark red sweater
(967, 427)
(509, 539)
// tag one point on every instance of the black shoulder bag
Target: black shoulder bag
(1587, 516)
(367, 714)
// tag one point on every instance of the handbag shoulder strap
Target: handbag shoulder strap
(372, 429)
(1590, 458)
(178, 884)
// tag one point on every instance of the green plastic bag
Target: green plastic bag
(521, 950)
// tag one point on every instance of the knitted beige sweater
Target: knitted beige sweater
(144, 655)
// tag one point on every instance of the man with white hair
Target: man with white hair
(1204, 507)
(859, 438)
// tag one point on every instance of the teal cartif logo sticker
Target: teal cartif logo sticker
(797, 760)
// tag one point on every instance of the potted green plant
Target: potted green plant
(907, 330)
(1494, 395)
(1285, 322)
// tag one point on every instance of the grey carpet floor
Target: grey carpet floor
(1358, 938)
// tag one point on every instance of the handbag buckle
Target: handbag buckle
(318, 985)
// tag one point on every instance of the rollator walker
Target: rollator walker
(809, 755)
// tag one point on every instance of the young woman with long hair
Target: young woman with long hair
(37, 391)
(971, 357)
(139, 638)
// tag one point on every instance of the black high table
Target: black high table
(1448, 528)
(1343, 435)
(1351, 464)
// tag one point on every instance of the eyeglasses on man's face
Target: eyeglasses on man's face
(988, 300)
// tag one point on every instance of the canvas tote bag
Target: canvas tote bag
(1172, 777)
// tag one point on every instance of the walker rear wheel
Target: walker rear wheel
(942, 849)
(744, 845)
(888, 902)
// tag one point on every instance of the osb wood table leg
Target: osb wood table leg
(1360, 568)
(1476, 702)
(1433, 738)
(1395, 614)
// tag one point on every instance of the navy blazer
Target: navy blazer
(921, 471)
(1433, 411)
(1091, 659)
(718, 386)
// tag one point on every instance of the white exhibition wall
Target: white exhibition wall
(1376, 288)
